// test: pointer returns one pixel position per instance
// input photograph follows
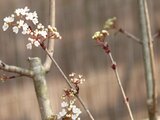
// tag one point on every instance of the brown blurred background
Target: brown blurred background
(76, 21)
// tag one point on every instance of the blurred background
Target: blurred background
(77, 20)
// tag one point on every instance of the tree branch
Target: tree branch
(15, 69)
(129, 35)
(48, 61)
(136, 39)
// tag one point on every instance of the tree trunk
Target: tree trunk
(41, 89)
(148, 56)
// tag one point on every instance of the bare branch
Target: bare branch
(129, 35)
(15, 69)
(48, 61)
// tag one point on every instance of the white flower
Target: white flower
(29, 46)
(20, 23)
(25, 29)
(35, 14)
(62, 113)
(22, 11)
(57, 35)
(17, 11)
(80, 76)
(31, 40)
(25, 26)
(40, 26)
(33, 17)
(74, 116)
(64, 104)
(26, 9)
(36, 32)
(76, 110)
(36, 43)
(29, 16)
(35, 21)
(72, 74)
(5, 26)
(8, 19)
(25, 32)
(15, 29)
(43, 33)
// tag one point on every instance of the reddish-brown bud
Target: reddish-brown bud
(106, 48)
(114, 66)
(127, 99)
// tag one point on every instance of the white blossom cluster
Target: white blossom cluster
(76, 79)
(23, 19)
(69, 111)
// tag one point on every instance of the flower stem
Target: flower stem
(69, 84)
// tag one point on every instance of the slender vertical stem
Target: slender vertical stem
(148, 55)
(48, 61)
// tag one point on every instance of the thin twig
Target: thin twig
(69, 84)
(107, 50)
(129, 35)
(114, 67)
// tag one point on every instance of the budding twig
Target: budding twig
(100, 37)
